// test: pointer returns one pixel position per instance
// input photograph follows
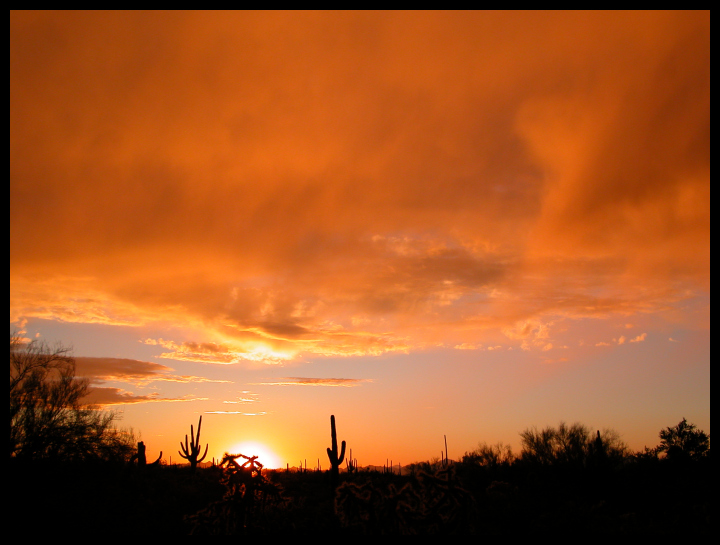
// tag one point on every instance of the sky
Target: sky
(430, 224)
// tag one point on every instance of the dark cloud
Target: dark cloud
(100, 370)
(104, 396)
(120, 368)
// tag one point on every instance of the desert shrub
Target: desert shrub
(428, 503)
(48, 420)
(490, 456)
(571, 445)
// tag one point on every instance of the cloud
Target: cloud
(263, 413)
(468, 346)
(288, 183)
(306, 381)
(128, 370)
(112, 368)
(621, 340)
(248, 397)
(104, 396)
(558, 360)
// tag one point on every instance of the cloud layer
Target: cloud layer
(140, 373)
(356, 183)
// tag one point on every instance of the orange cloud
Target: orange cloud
(306, 381)
(344, 183)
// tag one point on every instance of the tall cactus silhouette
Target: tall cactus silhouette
(335, 460)
(190, 452)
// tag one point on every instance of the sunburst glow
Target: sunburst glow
(266, 457)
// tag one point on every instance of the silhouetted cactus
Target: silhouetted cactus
(190, 452)
(251, 504)
(335, 460)
(446, 453)
(140, 456)
(351, 464)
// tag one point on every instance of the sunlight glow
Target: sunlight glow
(251, 448)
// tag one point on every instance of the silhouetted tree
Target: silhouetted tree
(490, 456)
(684, 441)
(573, 444)
(47, 418)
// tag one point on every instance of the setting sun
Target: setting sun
(251, 448)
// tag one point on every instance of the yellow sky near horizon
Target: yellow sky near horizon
(267, 189)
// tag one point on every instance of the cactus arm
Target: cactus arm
(205, 454)
(186, 451)
(342, 454)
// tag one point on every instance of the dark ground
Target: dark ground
(641, 498)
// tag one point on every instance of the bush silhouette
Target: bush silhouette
(572, 445)
(47, 417)
(684, 441)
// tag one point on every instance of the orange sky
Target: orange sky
(470, 218)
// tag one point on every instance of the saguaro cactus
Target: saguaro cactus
(350, 463)
(140, 456)
(190, 452)
(335, 460)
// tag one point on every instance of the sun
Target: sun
(252, 448)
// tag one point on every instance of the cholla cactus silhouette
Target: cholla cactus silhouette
(190, 451)
(335, 460)
(250, 505)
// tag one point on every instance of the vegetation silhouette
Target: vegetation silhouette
(426, 503)
(570, 445)
(140, 458)
(48, 420)
(565, 480)
(335, 459)
(684, 442)
(351, 464)
(248, 505)
(491, 491)
(191, 451)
